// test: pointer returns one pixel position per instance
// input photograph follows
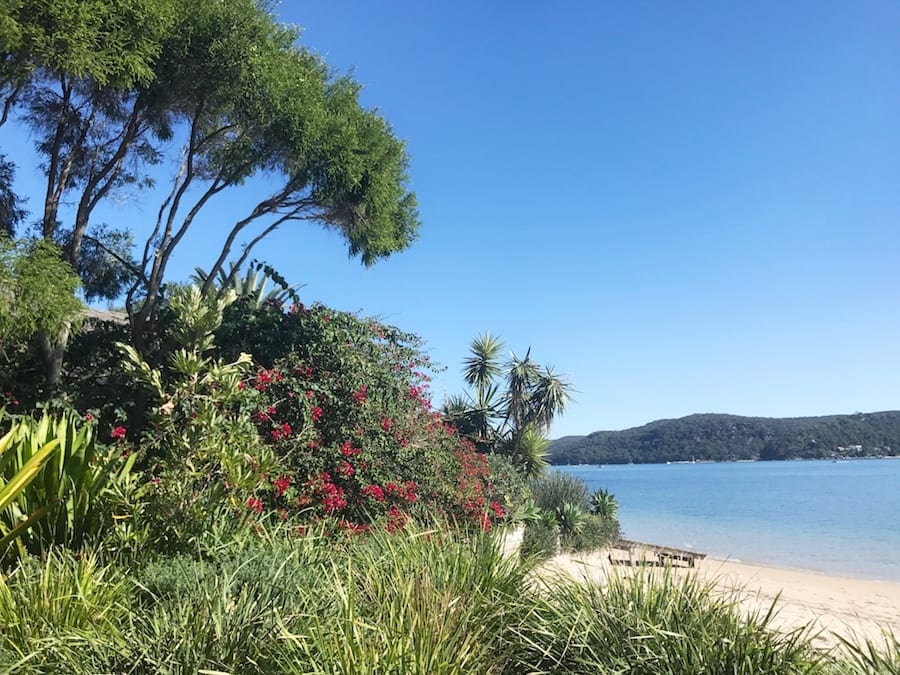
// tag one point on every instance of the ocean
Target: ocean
(836, 517)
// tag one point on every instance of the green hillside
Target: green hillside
(730, 437)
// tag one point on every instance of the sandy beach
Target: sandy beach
(852, 608)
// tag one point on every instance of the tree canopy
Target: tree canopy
(110, 88)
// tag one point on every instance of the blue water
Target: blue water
(835, 517)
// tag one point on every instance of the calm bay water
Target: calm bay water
(836, 517)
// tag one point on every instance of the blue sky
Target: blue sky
(687, 208)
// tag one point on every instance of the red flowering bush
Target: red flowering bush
(344, 404)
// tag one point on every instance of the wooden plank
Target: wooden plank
(665, 551)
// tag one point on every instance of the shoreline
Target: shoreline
(832, 606)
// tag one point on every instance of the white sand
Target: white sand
(852, 608)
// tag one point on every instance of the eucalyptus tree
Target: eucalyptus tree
(511, 404)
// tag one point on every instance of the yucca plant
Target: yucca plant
(63, 504)
(508, 420)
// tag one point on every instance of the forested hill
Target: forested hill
(730, 437)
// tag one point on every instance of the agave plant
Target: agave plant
(604, 504)
(570, 518)
(251, 287)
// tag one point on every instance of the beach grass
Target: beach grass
(424, 601)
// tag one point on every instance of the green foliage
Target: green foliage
(203, 451)
(870, 657)
(568, 511)
(510, 421)
(423, 601)
(16, 476)
(540, 540)
(418, 603)
(71, 494)
(109, 42)
(553, 491)
(604, 504)
(595, 533)
(11, 211)
(730, 437)
(54, 610)
(37, 293)
(653, 625)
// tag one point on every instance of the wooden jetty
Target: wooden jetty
(640, 553)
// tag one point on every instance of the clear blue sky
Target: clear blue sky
(686, 207)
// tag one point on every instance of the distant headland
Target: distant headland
(723, 438)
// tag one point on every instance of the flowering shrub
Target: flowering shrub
(344, 404)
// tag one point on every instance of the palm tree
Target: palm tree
(513, 421)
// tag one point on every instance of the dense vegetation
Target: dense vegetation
(229, 480)
(724, 438)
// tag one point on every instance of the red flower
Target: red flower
(310, 394)
(411, 488)
(119, 432)
(242, 386)
(286, 430)
(316, 413)
(255, 504)
(282, 483)
(347, 449)
(373, 491)
(346, 469)
(360, 395)
(497, 509)
(386, 423)
(88, 417)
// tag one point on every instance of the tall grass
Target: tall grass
(653, 624)
(54, 611)
(421, 602)
(416, 604)
(867, 656)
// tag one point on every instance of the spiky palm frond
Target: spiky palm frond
(483, 365)
(521, 376)
(548, 399)
(530, 453)
(474, 419)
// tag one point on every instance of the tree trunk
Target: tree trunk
(54, 349)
